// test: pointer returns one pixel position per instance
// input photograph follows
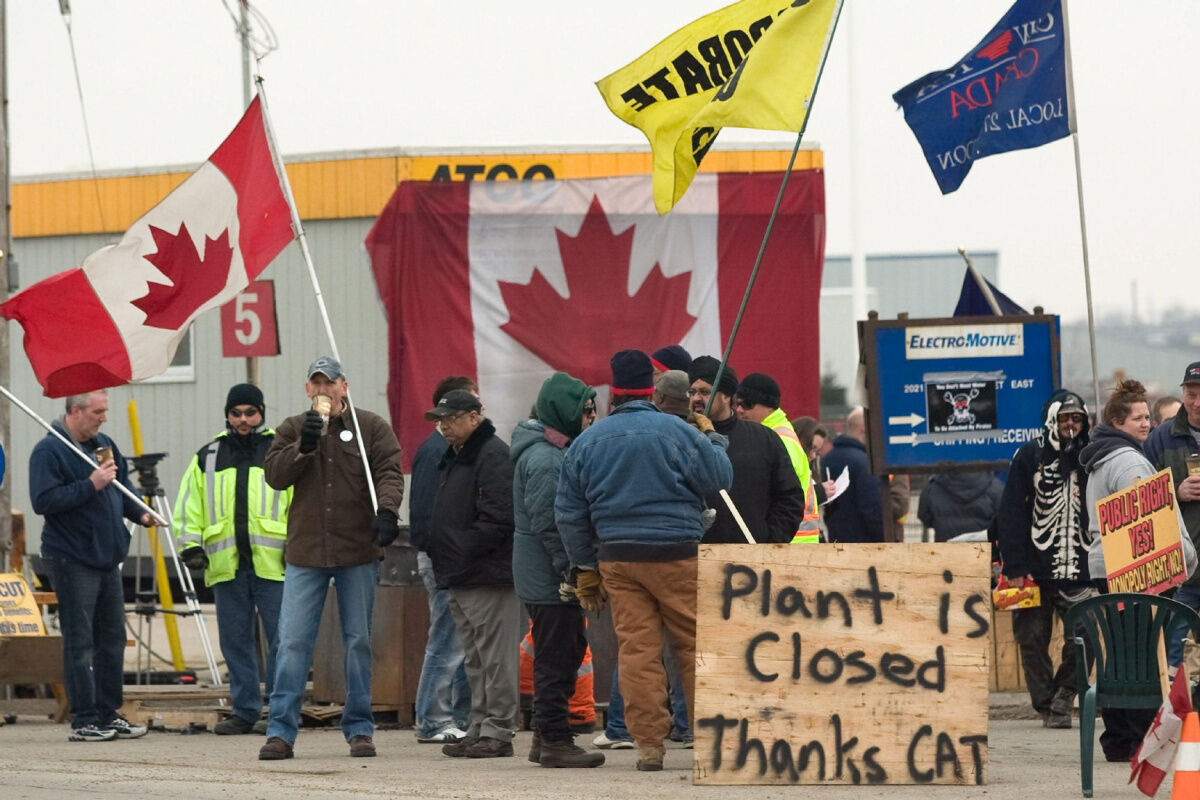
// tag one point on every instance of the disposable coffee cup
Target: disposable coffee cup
(103, 454)
(323, 404)
(1193, 465)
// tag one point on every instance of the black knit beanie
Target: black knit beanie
(245, 394)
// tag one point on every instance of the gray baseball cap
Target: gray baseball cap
(327, 366)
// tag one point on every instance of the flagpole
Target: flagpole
(1087, 273)
(312, 274)
(762, 248)
(122, 488)
(982, 284)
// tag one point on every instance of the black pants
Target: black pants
(1032, 629)
(559, 643)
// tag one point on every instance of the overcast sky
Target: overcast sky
(162, 84)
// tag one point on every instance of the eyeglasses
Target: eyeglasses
(238, 413)
(701, 392)
(449, 418)
(589, 409)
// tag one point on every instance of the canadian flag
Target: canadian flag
(1152, 761)
(508, 281)
(120, 315)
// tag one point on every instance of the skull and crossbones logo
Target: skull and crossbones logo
(960, 413)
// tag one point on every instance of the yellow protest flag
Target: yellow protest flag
(754, 64)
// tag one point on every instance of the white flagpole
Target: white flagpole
(122, 488)
(1087, 273)
(312, 274)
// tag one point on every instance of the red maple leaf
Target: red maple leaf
(194, 280)
(579, 333)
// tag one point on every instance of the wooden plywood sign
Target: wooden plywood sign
(842, 664)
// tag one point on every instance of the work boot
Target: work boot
(275, 749)
(535, 749)
(568, 754)
(233, 725)
(488, 747)
(650, 757)
(459, 749)
(362, 747)
(1059, 715)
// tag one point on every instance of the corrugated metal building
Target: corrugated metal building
(57, 222)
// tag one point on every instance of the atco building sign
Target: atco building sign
(966, 391)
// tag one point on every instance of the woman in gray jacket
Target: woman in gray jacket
(1114, 461)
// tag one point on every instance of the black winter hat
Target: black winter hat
(671, 357)
(632, 373)
(245, 394)
(759, 389)
(705, 369)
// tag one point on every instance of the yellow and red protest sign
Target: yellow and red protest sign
(1139, 531)
(19, 615)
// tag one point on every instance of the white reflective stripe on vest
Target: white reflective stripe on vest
(210, 472)
(224, 544)
(267, 541)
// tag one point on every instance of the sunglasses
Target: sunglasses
(589, 408)
(238, 413)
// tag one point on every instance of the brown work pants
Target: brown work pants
(645, 597)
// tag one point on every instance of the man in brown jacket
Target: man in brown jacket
(333, 533)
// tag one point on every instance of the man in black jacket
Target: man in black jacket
(443, 700)
(765, 488)
(470, 544)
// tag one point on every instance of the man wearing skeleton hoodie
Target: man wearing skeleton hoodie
(1042, 532)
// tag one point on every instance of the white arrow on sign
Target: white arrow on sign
(912, 420)
(909, 438)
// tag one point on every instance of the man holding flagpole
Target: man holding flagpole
(333, 534)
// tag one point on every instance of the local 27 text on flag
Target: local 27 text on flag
(508, 282)
(120, 315)
(1008, 93)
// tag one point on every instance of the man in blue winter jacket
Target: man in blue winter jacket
(84, 541)
(628, 510)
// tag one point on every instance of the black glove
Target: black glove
(310, 431)
(386, 527)
(194, 557)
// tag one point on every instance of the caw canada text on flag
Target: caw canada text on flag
(1008, 93)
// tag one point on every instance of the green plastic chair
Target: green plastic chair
(1121, 632)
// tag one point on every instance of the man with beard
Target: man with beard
(1042, 530)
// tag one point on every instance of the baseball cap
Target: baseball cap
(327, 366)
(453, 402)
(1072, 405)
(1191, 374)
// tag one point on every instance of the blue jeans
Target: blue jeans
(304, 590)
(614, 725)
(91, 615)
(1189, 595)
(443, 694)
(237, 600)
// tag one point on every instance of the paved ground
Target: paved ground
(37, 761)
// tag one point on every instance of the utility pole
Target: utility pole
(247, 90)
(6, 542)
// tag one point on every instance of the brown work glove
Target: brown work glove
(700, 422)
(590, 590)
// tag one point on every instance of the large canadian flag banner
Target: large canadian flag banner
(508, 282)
(120, 315)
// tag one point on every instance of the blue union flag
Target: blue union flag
(1008, 93)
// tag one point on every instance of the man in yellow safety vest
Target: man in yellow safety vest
(758, 401)
(231, 524)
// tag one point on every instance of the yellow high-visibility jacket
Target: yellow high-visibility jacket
(206, 509)
(809, 529)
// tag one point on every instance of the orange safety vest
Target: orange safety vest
(581, 707)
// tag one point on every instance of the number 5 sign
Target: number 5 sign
(248, 326)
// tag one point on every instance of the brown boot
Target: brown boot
(274, 750)
(650, 758)
(362, 747)
(567, 754)
(459, 749)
